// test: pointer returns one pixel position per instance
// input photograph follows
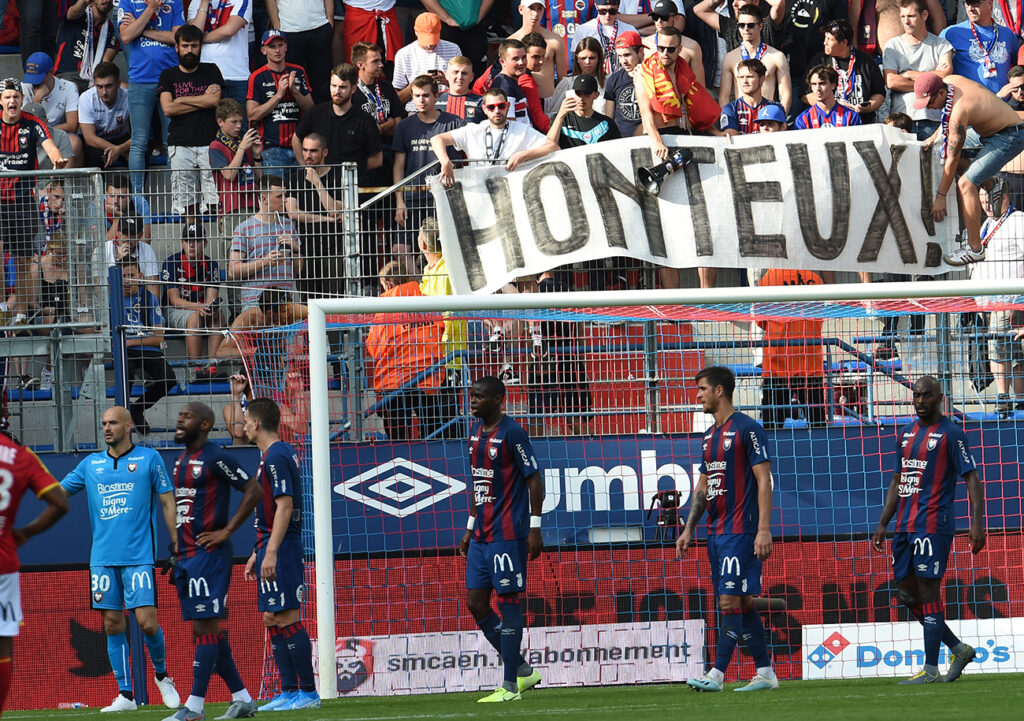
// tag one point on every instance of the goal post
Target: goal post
(846, 300)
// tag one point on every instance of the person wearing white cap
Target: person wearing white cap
(967, 105)
(555, 56)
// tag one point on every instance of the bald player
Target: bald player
(965, 105)
(204, 476)
(932, 457)
(123, 486)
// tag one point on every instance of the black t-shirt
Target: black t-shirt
(578, 130)
(71, 41)
(308, 199)
(379, 101)
(351, 137)
(198, 127)
(19, 143)
(620, 90)
(412, 137)
(803, 32)
(867, 79)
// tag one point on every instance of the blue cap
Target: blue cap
(271, 34)
(772, 112)
(37, 67)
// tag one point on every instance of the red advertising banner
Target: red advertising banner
(60, 655)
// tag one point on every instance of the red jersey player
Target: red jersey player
(20, 470)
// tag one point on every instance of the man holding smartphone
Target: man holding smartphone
(861, 86)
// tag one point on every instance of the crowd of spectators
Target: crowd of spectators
(254, 104)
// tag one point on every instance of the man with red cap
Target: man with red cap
(619, 90)
(967, 104)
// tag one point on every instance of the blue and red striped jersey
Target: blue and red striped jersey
(278, 474)
(500, 461)
(931, 460)
(18, 145)
(202, 488)
(277, 128)
(731, 451)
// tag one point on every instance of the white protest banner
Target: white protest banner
(593, 655)
(848, 199)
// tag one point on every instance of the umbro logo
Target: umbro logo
(400, 487)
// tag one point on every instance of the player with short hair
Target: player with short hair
(933, 455)
(204, 475)
(20, 470)
(735, 486)
(502, 530)
(120, 484)
(276, 561)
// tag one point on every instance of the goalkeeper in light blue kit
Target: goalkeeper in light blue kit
(124, 485)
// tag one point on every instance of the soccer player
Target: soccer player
(505, 479)
(20, 470)
(277, 559)
(120, 484)
(736, 488)
(204, 475)
(933, 455)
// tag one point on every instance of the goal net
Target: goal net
(604, 385)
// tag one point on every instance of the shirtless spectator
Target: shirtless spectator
(555, 56)
(664, 14)
(778, 86)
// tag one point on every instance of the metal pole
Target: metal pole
(353, 338)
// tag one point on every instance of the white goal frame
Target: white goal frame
(319, 406)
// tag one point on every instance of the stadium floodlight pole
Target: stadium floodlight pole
(323, 528)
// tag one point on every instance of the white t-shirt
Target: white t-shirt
(300, 15)
(1004, 255)
(899, 55)
(147, 261)
(412, 61)
(472, 140)
(231, 55)
(112, 122)
(632, 7)
(589, 29)
(61, 100)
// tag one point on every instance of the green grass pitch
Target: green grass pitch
(988, 698)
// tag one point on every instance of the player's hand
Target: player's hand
(170, 566)
(464, 543)
(268, 569)
(250, 568)
(763, 545)
(939, 208)
(534, 543)
(977, 539)
(878, 539)
(19, 537)
(683, 543)
(211, 539)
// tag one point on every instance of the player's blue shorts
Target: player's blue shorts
(116, 588)
(735, 570)
(920, 554)
(202, 583)
(500, 565)
(286, 590)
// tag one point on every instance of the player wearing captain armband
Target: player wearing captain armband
(121, 484)
(933, 455)
(276, 562)
(503, 530)
(735, 486)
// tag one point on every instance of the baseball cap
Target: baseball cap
(664, 8)
(772, 112)
(628, 39)
(36, 68)
(428, 27)
(272, 34)
(192, 230)
(584, 84)
(130, 226)
(10, 84)
(925, 86)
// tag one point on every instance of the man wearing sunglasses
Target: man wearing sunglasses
(861, 87)
(726, 24)
(664, 14)
(983, 50)
(495, 140)
(778, 85)
(606, 27)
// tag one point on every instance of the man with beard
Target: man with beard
(351, 134)
(189, 94)
(204, 475)
(121, 560)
